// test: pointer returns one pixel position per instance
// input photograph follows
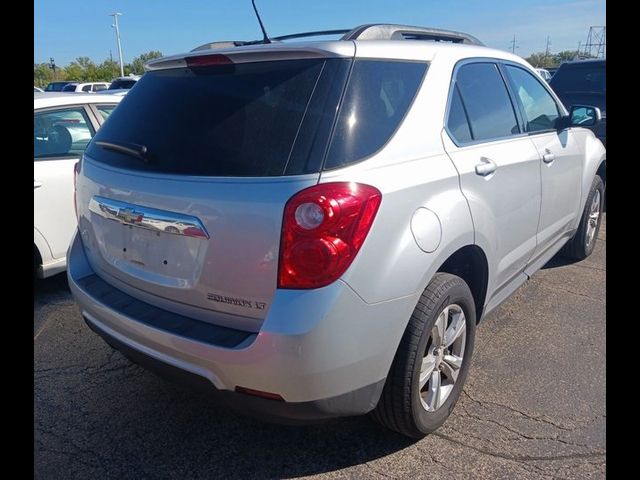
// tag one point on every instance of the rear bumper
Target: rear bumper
(281, 412)
(325, 352)
(51, 268)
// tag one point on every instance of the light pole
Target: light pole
(52, 66)
(115, 17)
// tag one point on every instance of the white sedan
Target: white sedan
(63, 125)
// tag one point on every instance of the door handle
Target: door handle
(36, 184)
(548, 157)
(487, 167)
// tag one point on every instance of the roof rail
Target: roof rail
(311, 34)
(383, 31)
(240, 43)
(373, 31)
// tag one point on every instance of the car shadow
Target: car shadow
(251, 448)
(142, 426)
(48, 287)
(559, 261)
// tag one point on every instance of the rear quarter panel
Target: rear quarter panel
(412, 171)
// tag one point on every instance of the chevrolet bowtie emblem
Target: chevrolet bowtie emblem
(129, 215)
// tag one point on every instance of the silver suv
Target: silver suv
(314, 229)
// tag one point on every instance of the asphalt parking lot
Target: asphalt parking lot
(533, 406)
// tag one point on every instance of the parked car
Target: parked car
(345, 213)
(124, 82)
(118, 91)
(63, 124)
(584, 82)
(86, 87)
(56, 86)
(36, 89)
(552, 71)
(544, 73)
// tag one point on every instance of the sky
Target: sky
(80, 28)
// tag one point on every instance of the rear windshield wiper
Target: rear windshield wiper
(132, 149)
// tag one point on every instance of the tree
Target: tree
(83, 69)
(73, 71)
(108, 70)
(539, 60)
(137, 65)
(42, 74)
(567, 56)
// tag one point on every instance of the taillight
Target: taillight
(76, 171)
(323, 229)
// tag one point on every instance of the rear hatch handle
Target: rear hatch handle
(150, 218)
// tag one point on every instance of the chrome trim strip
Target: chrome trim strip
(149, 218)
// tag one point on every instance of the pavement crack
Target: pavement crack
(520, 458)
(519, 412)
(566, 290)
(518, 432)
(370, 467)
(588, 267)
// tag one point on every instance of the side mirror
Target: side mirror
(584, 116)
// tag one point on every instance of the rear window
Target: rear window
(258, 119)
(580, 77)
(118, 84)
(55, 87)
(231, 120)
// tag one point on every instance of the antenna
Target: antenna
(264, 32)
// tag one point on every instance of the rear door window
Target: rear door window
(539, 108)
(60, 133)
(486, 100)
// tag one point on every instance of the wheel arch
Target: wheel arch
(470, 263)
(595, 164)
(37, 257)
(40, 246)
(602, 171)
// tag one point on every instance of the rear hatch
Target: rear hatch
(181, 192)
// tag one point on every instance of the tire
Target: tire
(402, 407)
(584, 240)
